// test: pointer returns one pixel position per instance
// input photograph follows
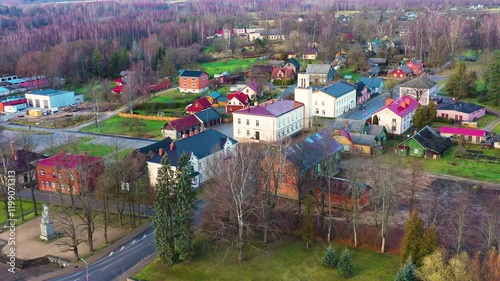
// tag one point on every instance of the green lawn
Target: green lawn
(286, 260)
(227, 65)
(82, 145)
(347, 71)
(496, 129)
(115, 126)
(176, 96)
(27, 207)
(486, 120)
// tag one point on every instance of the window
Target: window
(248, 122)
(478, 140)
(323, 103)
(62, 186)
(204, 78)
(317, 111)
(393, 119)
(42, 172)
(248, 132)
(53, 185)
(393, 128)
(184, 84)
(193, 85)
(239, 132)
(279, 135)
(47, 184)
(257, 123)
(43, 183)
(315, 102)
(323, 112)
(415, 151)
(239, 121)
(193, 79)
(184, 78)
(71, 177)
(46, 104)
(59, 174)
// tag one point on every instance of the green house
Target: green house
(425, 143)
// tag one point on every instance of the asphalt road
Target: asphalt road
(110, 267)
(371, 106)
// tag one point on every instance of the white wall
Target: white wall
(402, 124)
(270, 128)
(424, 98)
(323, 105)
(64, 99)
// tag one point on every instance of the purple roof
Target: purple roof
(272, 109)
(184, 123)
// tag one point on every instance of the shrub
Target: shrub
(345, 264)
(330, 257)
(407, 272)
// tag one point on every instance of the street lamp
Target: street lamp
(86, 267)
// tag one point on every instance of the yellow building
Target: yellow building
(356, 143)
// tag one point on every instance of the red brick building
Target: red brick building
(64, 172)
(193, 81)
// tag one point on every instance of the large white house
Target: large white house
(269, 122)
(397, 115)
(327, 101)
(424, 87)
(49, 98)
(201, 147)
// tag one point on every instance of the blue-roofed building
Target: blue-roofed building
(202, 148)
(50, 98)
(374, 84)
(329, 101)
(209, 117)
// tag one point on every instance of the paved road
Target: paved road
(110, 267)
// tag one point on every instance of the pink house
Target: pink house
(468, 135)
(461, 111)
(362, 93)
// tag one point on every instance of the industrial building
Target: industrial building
(50, 98)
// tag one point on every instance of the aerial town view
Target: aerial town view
(250, 140)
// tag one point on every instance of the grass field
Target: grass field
(227, 65)
(486, 120)
(176, 96)
(496, 129)
(287, 260)
(347, 71)
(27, 207)
(115, 126)
(82, 145)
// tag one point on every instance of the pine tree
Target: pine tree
(330, 257)
(407, 272)
(456, 86)
(307, 231)
(184, 207)
(124, 59)
(431, 112)
(410, 246)
(163, 221)
(96, 63)
(492, 81)
(429, 241)
(345, 265)
(420, 118)
(114, 65)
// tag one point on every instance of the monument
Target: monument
(46, 227)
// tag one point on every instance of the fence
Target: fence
(147, 117)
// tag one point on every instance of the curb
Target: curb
(77, 265)
(137, 268)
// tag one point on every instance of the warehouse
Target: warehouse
(12, 104)
(50, 98)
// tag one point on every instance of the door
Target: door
(257, 135)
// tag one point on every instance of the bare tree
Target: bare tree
(491, 223)
(459, 218)
(353, 192)
(418, 180)
(232, 197)
(29, 143)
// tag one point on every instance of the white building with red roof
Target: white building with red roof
(269, 122)
(397, 115)
(237, 101)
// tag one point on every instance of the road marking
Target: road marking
(133, 242)
(110, 254)
(145, 235)
(105, 267)
(122, 248)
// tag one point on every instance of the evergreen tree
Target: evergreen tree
(96, 63)
(114, 65)
(471, 83)
(456, 86)
(163, 221)
(429, 241)
(124, 59)
(411, 244)
(330, 257)
(307, 230)
(407, 272)
(431, 112)
(345, 265)
(492, 81)
(184, 206)
(420, 118)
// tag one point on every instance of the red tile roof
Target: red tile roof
(241, 97)
(462, 131)
(288, 72)
(184, 123)
(199, 104)
(65, 160)
(402, 106)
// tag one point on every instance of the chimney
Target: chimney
(346, 124)
(172, 146)
(191, 134)
(160, 151)
(202, 129)
(195, 132)
(402, 104)
(184, 136)
(407, 101)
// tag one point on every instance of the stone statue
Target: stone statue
(45, 214)
(46, 227)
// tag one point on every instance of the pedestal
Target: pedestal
(47, 231)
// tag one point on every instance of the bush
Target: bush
(205, 58)
(345, 264)
(407, 272)
(445, 120)
(330, 257)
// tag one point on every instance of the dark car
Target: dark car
(437, 99)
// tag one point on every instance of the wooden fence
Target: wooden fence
(147, 117)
